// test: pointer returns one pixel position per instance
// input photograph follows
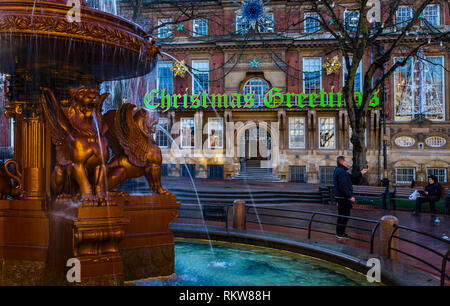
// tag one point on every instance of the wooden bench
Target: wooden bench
(364, 194)
(215, 213)
(404, 192)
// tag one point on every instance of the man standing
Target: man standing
(343, 191)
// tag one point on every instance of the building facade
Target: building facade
(298, 143)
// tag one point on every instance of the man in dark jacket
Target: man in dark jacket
(343, 192)
(431, 194)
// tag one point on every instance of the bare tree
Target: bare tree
(385, 36)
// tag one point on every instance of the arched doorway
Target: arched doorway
(255, 143)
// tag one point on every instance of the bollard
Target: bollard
(386, 228)
(239, 214)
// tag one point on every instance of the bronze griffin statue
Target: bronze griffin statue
(83, 136)
(136, 153)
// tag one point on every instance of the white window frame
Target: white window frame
(334, 133)
(183, 119)
(320, 68)
(259, 100)
(169, 25)
(220, 135)
(194, 32)
(349, 26)
(314, 16)
(166, 120)
(406, 22)
(438, 14)
(291, 146)
(158, 76)
(439, 168)
(404, 182)
(194, 72)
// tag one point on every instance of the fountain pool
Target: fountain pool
(243, 265)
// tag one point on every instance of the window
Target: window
(162, 140)
(403, 16)
(351, 20)
(187, 132)
(405, 141)
(441, 173)
(405, 175)
(200, 27)
(358, 75)
(311, 23)
(268, 24)
(435, 141)
(187, 170)
(165, 77)
(200, 81)
(326, 175)
(419, 89)
(297, 174)
(327, 135)
(431, 15)
(215, 133)
(164, 28)
(312, 75)
(350, 145)
(259, 87)
(296, 133)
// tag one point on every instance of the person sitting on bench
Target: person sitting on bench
(431, 194)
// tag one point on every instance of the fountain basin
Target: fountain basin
(38, 41)
(231, 264)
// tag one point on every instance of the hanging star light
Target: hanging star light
(178, 69)
(253, 15)
(333, 65)
(254, 63)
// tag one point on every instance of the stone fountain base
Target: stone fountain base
(129, 240)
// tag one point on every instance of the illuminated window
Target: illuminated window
(215, 133)
(419, 89)
(187, 132)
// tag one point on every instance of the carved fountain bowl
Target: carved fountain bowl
(38, 36)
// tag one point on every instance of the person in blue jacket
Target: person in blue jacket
(343, 192)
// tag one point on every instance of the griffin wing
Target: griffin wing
(134, 144)
(58, 126)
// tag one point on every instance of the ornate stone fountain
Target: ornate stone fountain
(59, 200)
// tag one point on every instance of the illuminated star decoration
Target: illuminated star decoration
(253, 15)
(333, 65)
(180, 27)
(178, 69)
(254, 63)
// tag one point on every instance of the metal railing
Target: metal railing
(445, 257)
(311, 220)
